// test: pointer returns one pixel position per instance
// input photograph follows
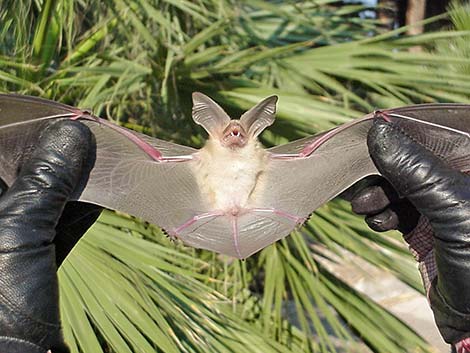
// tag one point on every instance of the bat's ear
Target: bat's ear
(209, 115)
(260, 116)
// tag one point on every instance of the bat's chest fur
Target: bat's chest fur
(230, 178)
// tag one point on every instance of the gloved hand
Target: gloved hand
(430, 204)
(38, 228)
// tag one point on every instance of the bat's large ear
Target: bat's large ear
(209, 115)
(260, 116)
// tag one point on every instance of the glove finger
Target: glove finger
(401, 216)
(360, 185)
(383, 221)
(36, 199)
(408, 216)
(76, 218)
(374, 199)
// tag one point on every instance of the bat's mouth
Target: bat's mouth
(234, 135)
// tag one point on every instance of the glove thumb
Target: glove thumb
(437, 191)
(37, 198)
(29, 212)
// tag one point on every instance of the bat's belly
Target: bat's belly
(232, 190)
(230, 183)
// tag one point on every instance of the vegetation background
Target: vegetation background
(126, 287)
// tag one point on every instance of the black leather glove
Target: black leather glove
(430, 203)
(37, 230)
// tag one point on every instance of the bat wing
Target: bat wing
(124, 177)
(338, 160)
(307, 173)
(326, 164)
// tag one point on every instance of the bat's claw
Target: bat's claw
(382, 114)
(84, 114)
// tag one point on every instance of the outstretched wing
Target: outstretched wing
(124, 176)
(311, 171)
(127, 179)
(332, 161)
(305, 174)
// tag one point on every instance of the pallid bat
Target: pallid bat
(232, 196)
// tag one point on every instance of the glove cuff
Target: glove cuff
(453, 325)
(421, 244)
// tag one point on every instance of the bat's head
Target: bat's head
(233, 133)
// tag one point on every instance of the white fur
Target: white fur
(228, 177)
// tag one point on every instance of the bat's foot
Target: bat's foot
(301, 221)
(170, 235)
(306, 219)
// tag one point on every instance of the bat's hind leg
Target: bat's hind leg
(296, 219)
(175, 232)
